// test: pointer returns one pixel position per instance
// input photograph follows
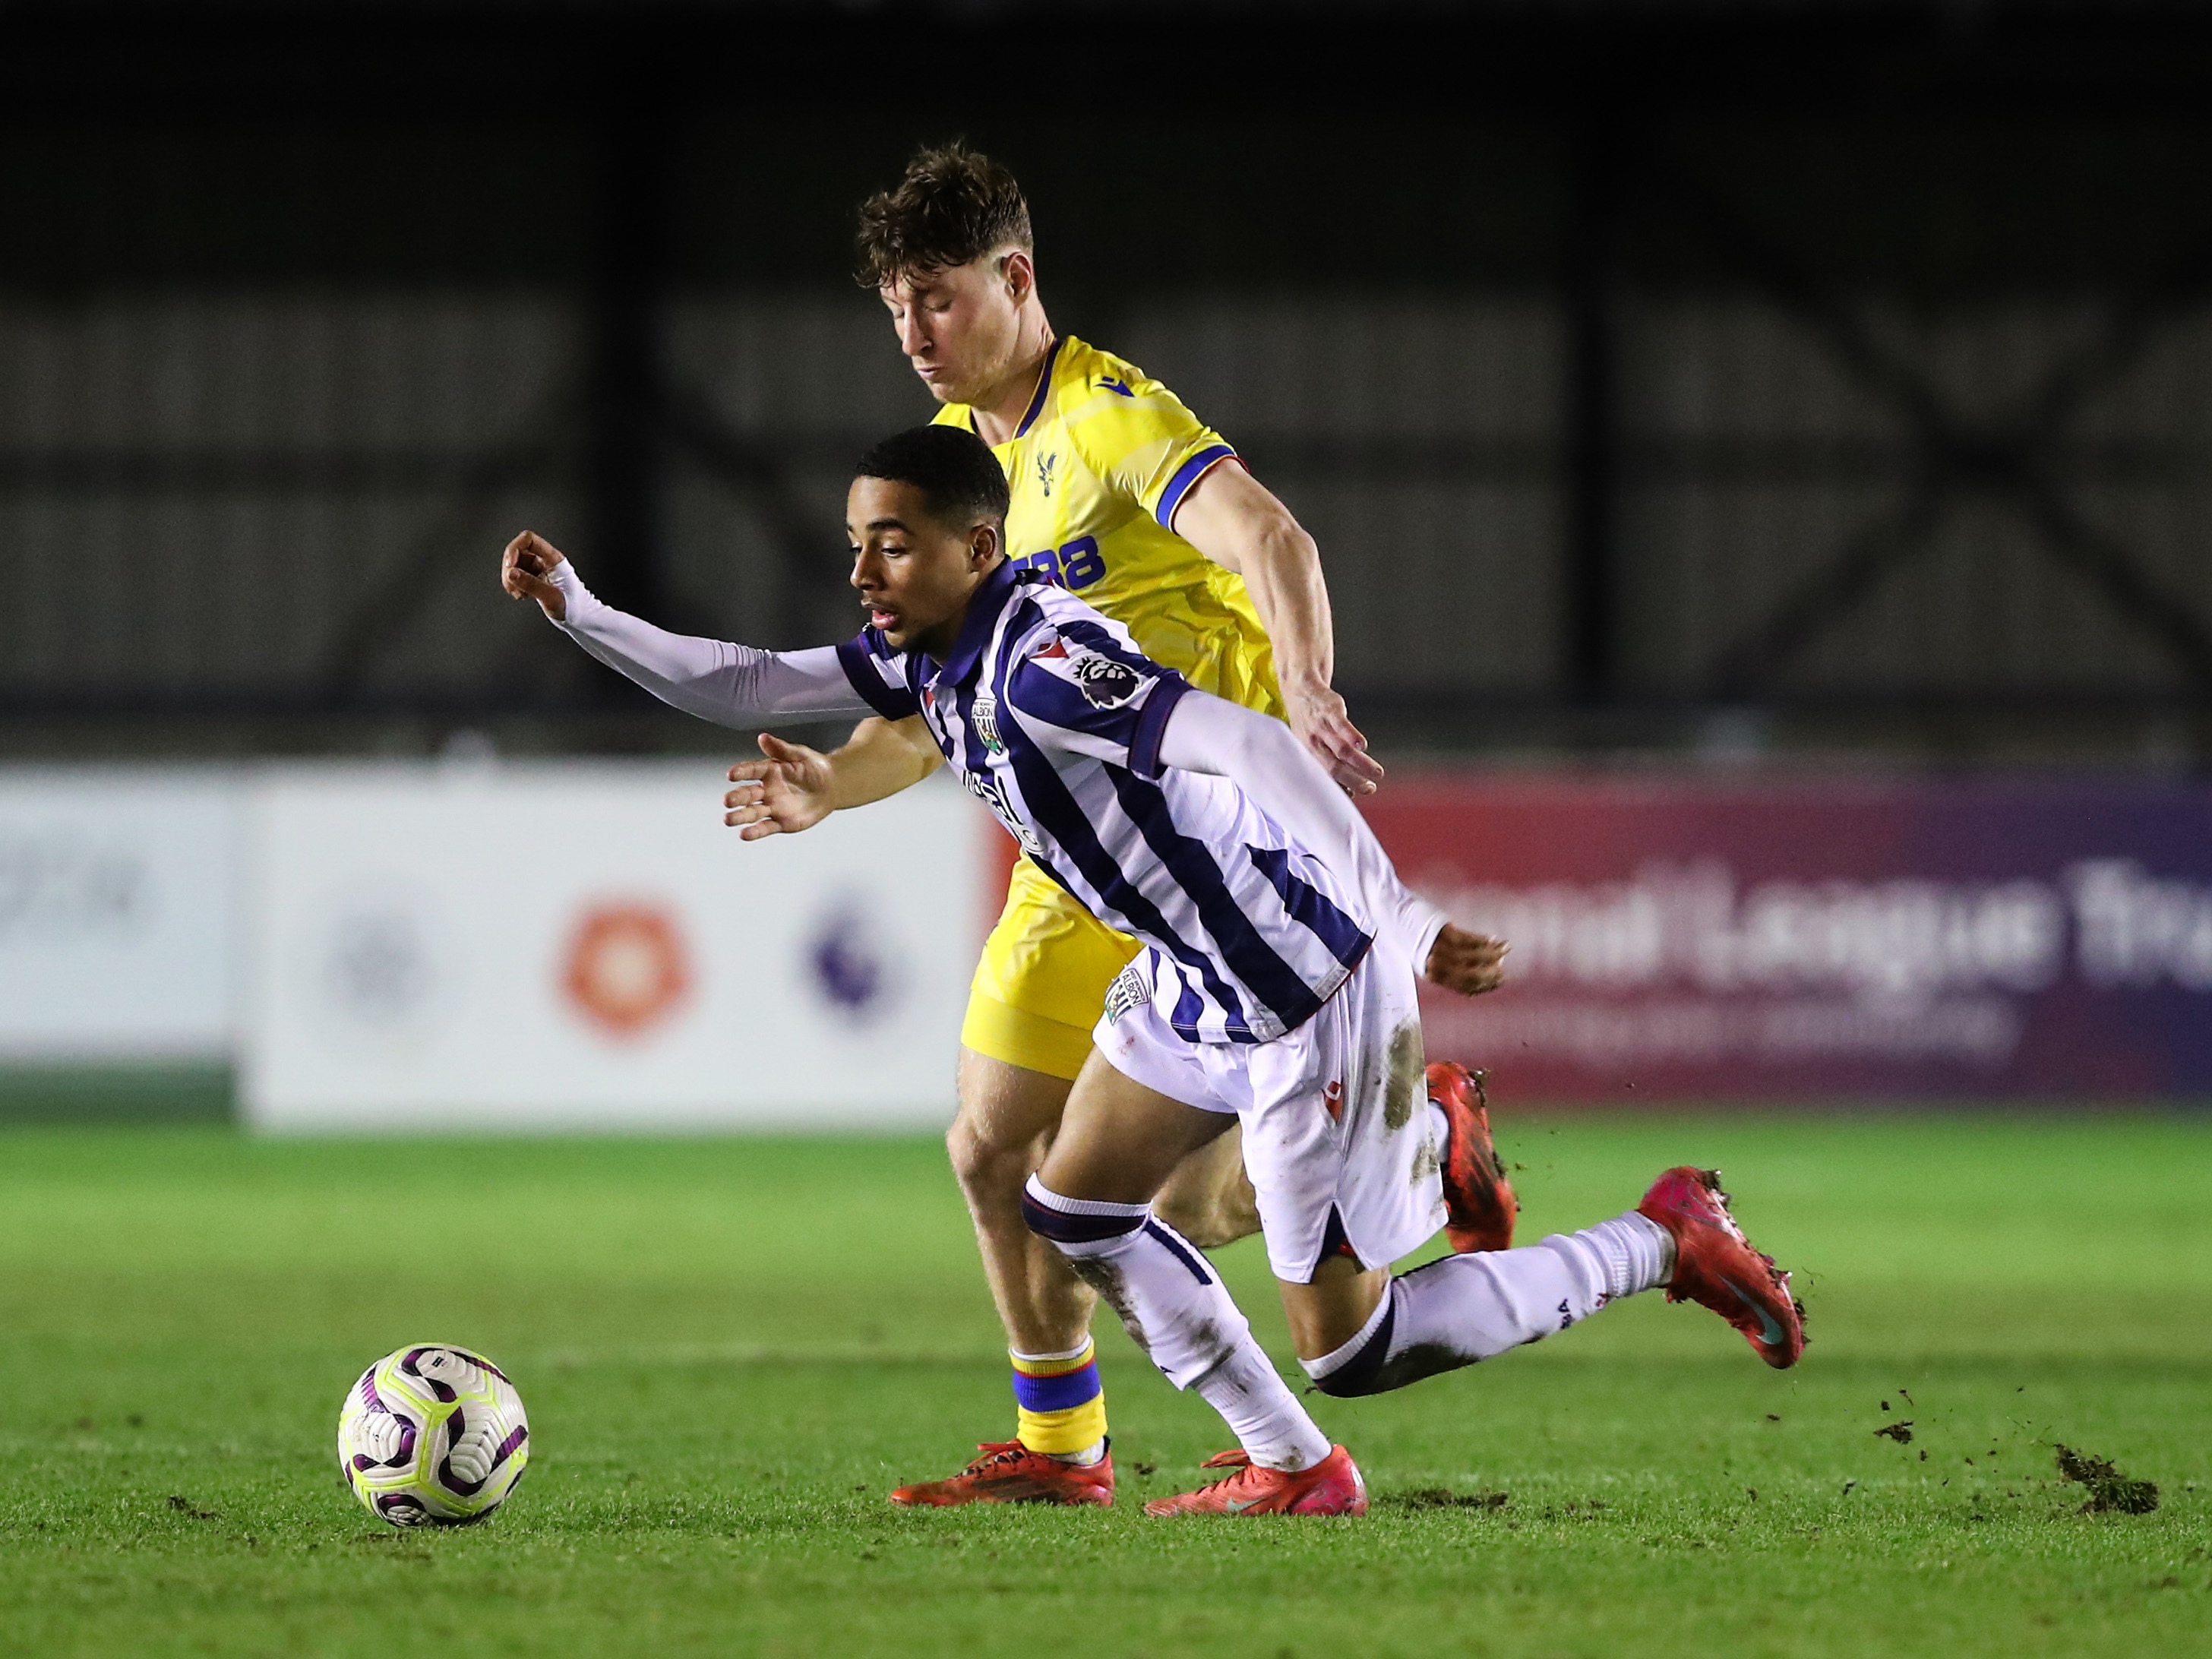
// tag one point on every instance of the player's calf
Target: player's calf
(1462, 1309)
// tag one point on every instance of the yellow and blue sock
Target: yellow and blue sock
(1060, 1403)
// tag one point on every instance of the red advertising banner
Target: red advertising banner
(1998, 937)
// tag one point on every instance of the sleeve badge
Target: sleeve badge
(1104, 683)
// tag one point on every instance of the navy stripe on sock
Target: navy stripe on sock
(1061, 1228)
(1183, 1253)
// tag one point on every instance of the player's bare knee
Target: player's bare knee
(1196, 1216)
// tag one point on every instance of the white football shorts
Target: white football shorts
(1337, 1138)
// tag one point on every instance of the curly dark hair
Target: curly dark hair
(954, 204)
(960, 478)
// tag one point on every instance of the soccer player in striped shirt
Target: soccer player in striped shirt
(1120, 493)
(1277, 987)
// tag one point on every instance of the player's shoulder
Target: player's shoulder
(1108, 404)
(1083, 372)
(1058, 634)
(1090, 379)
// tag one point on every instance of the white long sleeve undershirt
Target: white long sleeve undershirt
(741, 685)
(1264, 758)
(730, 685)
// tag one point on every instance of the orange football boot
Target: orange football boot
(1479, 1201)
(1716, 1266)
(1332, 1486)
(1010, 1473)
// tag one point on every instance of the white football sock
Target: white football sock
(1174, 1307)
(1261, 1412)
(1439, 1126)
(1458, 1310)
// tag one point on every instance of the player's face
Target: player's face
(914, 573)
(961, 327)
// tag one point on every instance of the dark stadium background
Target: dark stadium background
(1657, 376)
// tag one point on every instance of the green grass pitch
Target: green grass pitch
(731, 1348)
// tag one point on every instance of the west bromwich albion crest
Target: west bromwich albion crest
(1127, 993)
(983, 715)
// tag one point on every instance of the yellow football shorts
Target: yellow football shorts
(1041, 983)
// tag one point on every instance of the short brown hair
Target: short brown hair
(955, 204)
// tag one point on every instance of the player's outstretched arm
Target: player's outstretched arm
(1206, 733)
(794, 787)
(1236, 521)
(728, 683)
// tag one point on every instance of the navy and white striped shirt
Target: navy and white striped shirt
(1050, 714)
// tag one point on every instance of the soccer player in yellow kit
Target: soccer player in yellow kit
(1120, 495)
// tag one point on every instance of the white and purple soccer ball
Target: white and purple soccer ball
(433, 1435)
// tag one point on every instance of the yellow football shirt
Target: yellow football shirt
(1101, 460)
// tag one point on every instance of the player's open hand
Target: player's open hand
(525, 570)
(1469, 963)
(787, 792)
(1317, 714)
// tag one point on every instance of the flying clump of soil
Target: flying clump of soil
(2109, 1489)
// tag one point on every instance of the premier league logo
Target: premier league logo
(1104, 683)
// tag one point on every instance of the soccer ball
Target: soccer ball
(433, 1435)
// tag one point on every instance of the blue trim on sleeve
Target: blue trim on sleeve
(1153, 725)
(1185, 475)
(859, 663)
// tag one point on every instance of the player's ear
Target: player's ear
(1018, 271)
(982, 545)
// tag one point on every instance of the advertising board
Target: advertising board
(1822, 939)
(117, 905)
(588, 947)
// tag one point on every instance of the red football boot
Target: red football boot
(1478, 1202)
(1010, 1473)
(1332, 1486)
(1716, 1266)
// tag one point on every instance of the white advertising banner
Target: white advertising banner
(587, 947)
(117, 914)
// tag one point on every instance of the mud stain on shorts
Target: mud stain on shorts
(1402, 1086)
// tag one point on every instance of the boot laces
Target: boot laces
(1238, 1463)
(995, 1452)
